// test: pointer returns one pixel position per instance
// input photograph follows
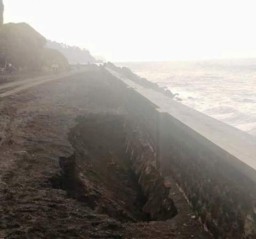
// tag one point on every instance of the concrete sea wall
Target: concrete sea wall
(212, 163)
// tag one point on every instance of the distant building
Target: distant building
(1, 12)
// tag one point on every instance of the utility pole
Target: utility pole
(1, 13)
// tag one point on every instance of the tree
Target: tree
(53, 57)
(74, 55)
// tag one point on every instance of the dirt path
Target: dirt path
(12, 88)
(55, 164)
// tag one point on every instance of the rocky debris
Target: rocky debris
(126, 72)
(159, 205)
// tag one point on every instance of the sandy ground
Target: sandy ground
(40, 136)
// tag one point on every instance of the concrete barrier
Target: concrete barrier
(214, 164)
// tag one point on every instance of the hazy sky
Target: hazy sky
(127, 30)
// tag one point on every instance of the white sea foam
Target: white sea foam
(225, 90)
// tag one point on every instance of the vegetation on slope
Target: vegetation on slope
(74, 55)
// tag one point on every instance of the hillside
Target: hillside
(23, 48)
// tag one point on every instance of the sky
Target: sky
(145, 30)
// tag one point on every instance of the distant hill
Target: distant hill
(74, 55)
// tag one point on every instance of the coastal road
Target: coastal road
(12, 88)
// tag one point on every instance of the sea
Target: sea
(222, 89)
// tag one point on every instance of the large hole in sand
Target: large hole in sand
(99, 174)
